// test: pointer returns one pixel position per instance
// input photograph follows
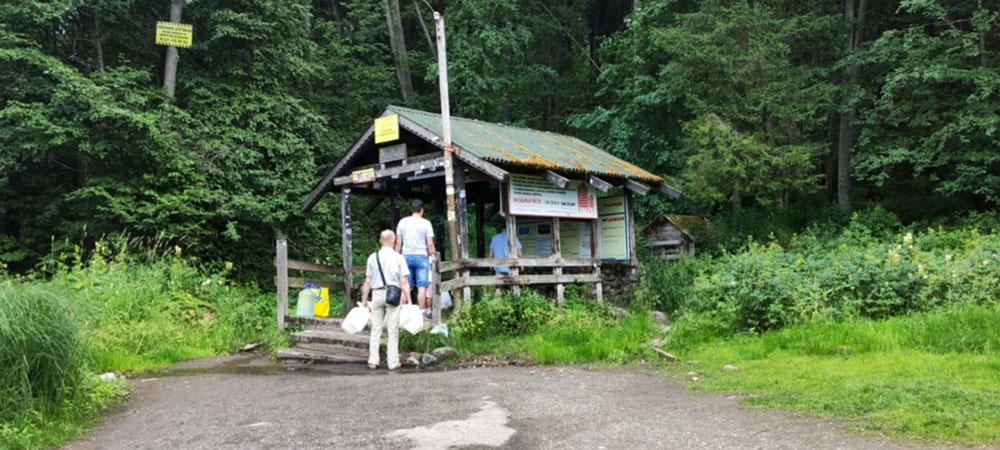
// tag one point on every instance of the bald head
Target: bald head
(387, 238)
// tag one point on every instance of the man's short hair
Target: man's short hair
(386, 236)
(416, 206)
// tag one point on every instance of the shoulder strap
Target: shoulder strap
(379, 261)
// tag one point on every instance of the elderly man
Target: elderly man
(385, 268)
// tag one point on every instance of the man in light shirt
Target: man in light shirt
(415, 241)
(395, 272)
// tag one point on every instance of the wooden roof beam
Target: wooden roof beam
(560, 181)
(598, 183)
(637, 187)
(669, 191)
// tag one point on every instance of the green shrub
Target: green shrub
(508, 315)
(864, 272)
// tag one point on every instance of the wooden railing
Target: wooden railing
(283, 282)
(462, 277)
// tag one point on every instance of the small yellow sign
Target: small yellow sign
(387, 129)
(363, 176)
(174, 34)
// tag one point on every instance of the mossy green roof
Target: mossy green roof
(526, 147)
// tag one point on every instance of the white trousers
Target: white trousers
(383, 314)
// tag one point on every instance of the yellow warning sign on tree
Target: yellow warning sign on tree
(387, 129)
(174, 34)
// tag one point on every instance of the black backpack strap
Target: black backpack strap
(377, 260)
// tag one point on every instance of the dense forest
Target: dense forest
(744, 104)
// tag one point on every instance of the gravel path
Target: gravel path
(511, 407)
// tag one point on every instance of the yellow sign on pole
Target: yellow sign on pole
(387, 129)
(174, 34)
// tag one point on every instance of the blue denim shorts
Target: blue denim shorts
(420, 267)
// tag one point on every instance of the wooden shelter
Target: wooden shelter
(672, 236)
(564, 195)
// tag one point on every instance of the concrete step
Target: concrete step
(334, 337)
(316, 323)
(325, 353)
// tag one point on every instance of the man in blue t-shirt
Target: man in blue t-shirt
(498, 250)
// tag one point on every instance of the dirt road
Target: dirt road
(512, 407)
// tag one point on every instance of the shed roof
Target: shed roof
(496, 143)
(526, 147)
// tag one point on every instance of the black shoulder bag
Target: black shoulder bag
(392, 293)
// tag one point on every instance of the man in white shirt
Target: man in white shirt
(395, 272)
(415, 241)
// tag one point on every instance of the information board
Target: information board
(536, 234)
(535, 196)
(613, 227)
(174, 34)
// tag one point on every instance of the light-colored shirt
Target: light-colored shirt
(393, 266)
(498, 245)
(414, 231)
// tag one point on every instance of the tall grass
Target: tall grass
(929, 375)
(42, 356)
(122, 308)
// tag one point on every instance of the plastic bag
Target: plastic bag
(356, 320)
(322, 308)
(446, 302)
(411, 319)
(441, 328)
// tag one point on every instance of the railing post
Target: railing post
(557, 253)
(281, 263)
(595, 253)
(347, 244)
(436, 283)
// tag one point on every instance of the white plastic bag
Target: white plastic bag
(356, 320)
(446, 302)
(441, 328)
(411, 319)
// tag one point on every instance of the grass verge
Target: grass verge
(930, 376)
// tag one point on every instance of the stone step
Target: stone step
(316, 323)
(325, 353)
(335, 337)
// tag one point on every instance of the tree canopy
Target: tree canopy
(746, 103)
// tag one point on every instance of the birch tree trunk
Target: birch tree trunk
(398, 46)
(170, 67)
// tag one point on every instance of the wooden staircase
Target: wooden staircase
(323, 341)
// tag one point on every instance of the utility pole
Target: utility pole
(170, 67)
(449, 149)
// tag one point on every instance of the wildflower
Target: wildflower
(177, 250)
(908, 239)
(947, 257)
(207, 282)
(229, 265)
(920, 270)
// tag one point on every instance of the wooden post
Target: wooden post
(461, 208)
(480, 225)
(438, 223)
(511, 239)
(436, 298)
(595, 253)
(347, 242)
(281, 263)
(394, 202)
(630, 225)
(449, 149)
(557, 253)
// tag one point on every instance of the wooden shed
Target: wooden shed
(572, 200)
(673, 236)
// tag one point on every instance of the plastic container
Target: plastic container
(322, 307)
(306, 304)
(356, 320)
(411, 319)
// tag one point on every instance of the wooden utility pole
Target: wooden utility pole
(449, 149)
(170, 67)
